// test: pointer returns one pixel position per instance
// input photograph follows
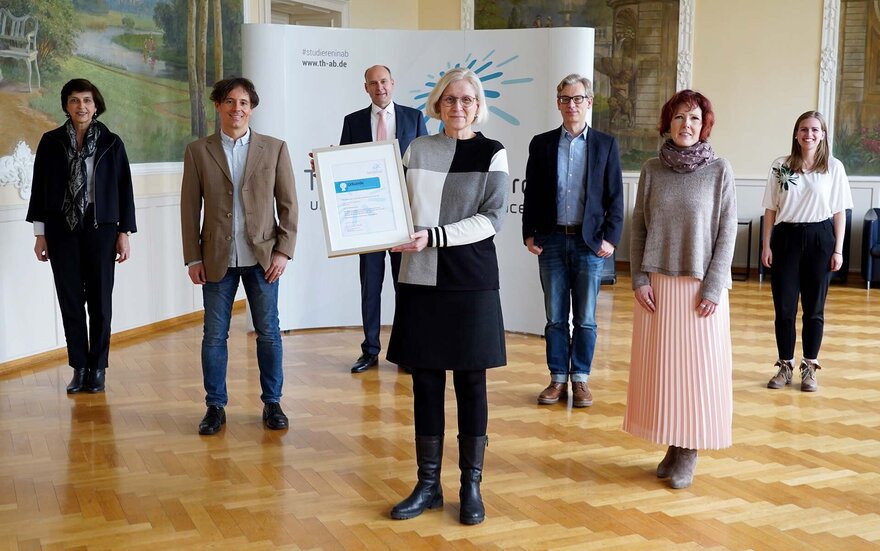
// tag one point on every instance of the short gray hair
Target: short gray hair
(574, 78)
(432, 107)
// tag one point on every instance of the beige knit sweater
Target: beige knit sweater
(685, 225)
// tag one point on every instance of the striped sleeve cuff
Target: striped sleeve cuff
(437, 237)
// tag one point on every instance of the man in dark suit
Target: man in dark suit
(382, 120)
(572, 220)
(243, 180)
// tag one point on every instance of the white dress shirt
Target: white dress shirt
(240, 255)
(390, 120)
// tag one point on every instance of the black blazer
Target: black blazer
(603, 211)
(410, 125)
(114, 195)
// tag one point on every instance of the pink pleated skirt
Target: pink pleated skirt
(680, 376)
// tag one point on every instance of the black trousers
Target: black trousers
(83, 266)
(429, 392)
(372, 277)
(801, 265)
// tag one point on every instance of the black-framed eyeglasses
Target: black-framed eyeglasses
(466, 101)
(568, 99)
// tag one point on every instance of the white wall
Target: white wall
(150, 287)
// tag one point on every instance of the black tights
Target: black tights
(429, 391)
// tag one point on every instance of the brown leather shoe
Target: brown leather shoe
(582, 396)
(552, 393)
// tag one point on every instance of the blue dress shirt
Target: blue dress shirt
(571, 173)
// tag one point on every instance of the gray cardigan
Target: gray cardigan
(685, 225)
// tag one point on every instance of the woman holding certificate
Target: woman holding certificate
(448, 313)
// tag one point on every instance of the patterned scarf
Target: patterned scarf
(75, 199)
(687, 159)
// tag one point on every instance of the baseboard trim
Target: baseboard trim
(43, 359)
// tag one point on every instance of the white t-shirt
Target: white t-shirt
(811, 196)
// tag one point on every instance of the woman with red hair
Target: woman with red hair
(683, 232)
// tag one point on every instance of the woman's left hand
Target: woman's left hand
(123, 249)
(836, 261)
(419, 242)
(706, 308)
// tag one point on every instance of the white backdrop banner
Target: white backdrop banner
(309, 78)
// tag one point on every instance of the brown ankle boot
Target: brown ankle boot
(783, 376)
(683, 471)
(808, 376)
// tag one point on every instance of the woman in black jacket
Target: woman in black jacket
(82, 208)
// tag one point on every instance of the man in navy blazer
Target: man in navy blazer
(382, 120)
(572, 220)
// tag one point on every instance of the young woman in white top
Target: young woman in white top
(806, 199)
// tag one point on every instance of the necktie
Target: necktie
(381, 127)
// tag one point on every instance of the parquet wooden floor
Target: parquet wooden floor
(126, 469)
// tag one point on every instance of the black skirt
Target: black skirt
(451, 330)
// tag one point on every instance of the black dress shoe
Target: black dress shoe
(365, 362)
(94, 381)
(273, 417)
(214, 418)
(77, 383)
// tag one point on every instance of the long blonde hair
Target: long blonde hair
(795, 161)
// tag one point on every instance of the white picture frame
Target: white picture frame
(364, 202)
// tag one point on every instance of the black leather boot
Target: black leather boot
(77, 382)
(94, 381)
(427, 494)
(471, 450)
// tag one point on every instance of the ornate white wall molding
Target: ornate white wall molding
(17, 170)
(828, 64)
(467, 15)
(685, 44)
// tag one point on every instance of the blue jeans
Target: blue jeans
(263, 301)
(570, 276)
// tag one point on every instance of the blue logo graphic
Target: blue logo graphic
(361, 184)
(488, 73)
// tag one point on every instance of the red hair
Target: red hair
(690, 99)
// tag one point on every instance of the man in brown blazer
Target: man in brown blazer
(242, 179)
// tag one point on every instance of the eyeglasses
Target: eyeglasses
(568, 99)
(466, 101)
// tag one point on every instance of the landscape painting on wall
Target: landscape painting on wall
(636, 59)
(153, 60)
(857, 119)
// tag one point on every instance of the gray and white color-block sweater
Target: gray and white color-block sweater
(458, 192)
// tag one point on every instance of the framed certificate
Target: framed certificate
(363, 197)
